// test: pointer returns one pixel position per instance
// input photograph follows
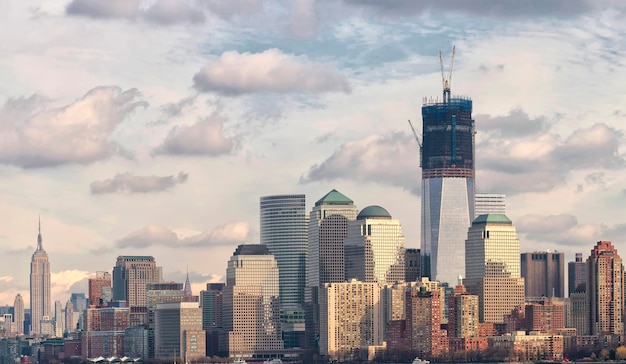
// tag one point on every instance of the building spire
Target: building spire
(39, 240)
(187, 287)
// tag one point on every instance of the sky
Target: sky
(139, 127)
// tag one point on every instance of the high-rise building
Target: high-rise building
(104, 329)
(491, 238)
(605, 290)
(187, 287)
(350, 318)
(178, 331)
(284, 230)
(328, 229)
(423, 317)
(70, 325)
(59, 319)
(489, 203)
(18, 314)
(211, 302)
(544, 274)
(251, 307)
(576, 273)
(131, 274)
(546, 316)
(40, 299)
(374, 247)
(98, 287)
(493, 266)
(447, 161)
(412, 265)
(463, 313)
(79, 301)
(157, 293)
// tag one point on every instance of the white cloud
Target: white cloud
(205, 137)
(154, 235)
(32, 135)
(129, 183)
(272, 71)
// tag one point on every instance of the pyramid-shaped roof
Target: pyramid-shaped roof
(334, 197)
(492, 218)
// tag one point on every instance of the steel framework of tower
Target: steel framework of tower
(447, 160)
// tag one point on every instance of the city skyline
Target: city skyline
(129, 178)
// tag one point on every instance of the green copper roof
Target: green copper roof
(373, 212)
(334, 198)
(492, 218)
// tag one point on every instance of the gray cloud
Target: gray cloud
(205, 137)
(271, 71)
(129, 183)
(389, 159)
(516, 124)
(543, 161)
(303, 18)
(175, 109)
(104, 9)
(566, 231)
(155, 235)
(24, 251)
(32, 135)
(512, 8)
(173, 11)
(164, 12)
(234, 7)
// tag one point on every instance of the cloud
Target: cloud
(234, 7)
(516, 124)
(565, 230)
(129, 183)
(104, 9)
(154, 235)
(302, 18)
(164, 12)
(33, 135)
(205, 137)
(175, 109)
(496, 8)
(387, 159)
(63, 283)
(271, 71)
(168, 12)
(23, 251)
(543, 161)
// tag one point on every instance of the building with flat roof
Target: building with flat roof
(544, 273)
(576, 273)
(131, 275)
(178, 331)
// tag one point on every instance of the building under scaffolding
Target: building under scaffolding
(447, 185)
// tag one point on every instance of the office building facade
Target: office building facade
(251, 306)
(544, 274)
(374, 247)
(131, 275)
(178, 331)
(447, 161)
(576, 273)
(18, 313)
(99, 289)
(489, 203)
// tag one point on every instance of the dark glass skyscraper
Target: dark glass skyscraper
(447, 161)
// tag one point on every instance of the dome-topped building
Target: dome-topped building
(373, 212)
(374, 248)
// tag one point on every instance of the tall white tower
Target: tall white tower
(40, 301)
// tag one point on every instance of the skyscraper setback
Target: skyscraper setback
(40, 301)
(447, 161)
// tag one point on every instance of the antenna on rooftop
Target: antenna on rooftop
(447, 82)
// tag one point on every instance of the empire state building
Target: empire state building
(40, 302)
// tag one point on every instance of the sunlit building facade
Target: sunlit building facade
(251, 307)
(40, 299)
(605, 290)
(374, 247)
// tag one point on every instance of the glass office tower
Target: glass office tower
(447, 160)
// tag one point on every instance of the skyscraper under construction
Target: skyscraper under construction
(447, 160)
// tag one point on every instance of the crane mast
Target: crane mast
(447, 82)
(417, 139)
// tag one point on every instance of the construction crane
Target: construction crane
(417, 139)
(447, 82)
